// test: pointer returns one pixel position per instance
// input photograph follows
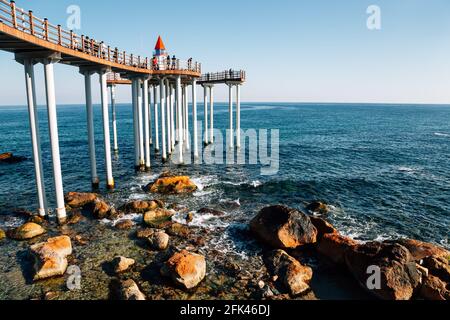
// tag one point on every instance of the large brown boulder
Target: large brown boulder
(153, 217)
(141, 206)
(26, 231)
(51, 257)
(79, 199)
(282, 227)
(434, 288)
(420, 250)
(322, 226)
(399, 276)
(292, 274)
(439, 267)
(186, 269)
(335, 247)
(172, 185)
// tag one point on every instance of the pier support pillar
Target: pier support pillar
(230, 107)
(140, 125)
(54, 139)
(114, 121)
(238, 116)
(168, 113)
(156, 117)
(187, 139)
(90, 129)
(211, 103)
(194, 117)
(106, 133)
(205, 102)
(162, 96)
(149, 106)
(35, 138)
(179, 119)
(172, 117)
(134, 89)
(146, 123)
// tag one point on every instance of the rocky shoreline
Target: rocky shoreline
(164, 259)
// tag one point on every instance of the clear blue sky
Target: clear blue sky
(293, 50)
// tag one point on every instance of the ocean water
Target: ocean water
(383, 169)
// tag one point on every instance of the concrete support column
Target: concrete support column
(106, 133)
(179, 119)
(172, 117)
(114, 121)
(134, 94)
(231, 134)
(90, 129)
(186, 120)
(194, 117)
(183, 112)
(156, 117)
(238, 116)
(205, 102)
(162, 97)
(211, 103)
(146, 123)
(140, 125)
(149, 106)
(54, 140)
(35, 139)
(168, 113)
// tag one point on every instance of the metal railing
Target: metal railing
(21, 20)
(230, 75)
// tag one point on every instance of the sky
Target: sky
(292, 50)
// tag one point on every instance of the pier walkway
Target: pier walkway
(159, 85)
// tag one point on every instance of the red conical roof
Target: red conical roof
(160, 44)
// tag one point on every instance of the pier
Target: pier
(159, 86)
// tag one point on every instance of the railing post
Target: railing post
(71, 40)
(13, 14)
(46, 29)
(59, 35)
(30, 14)
(139, 61)
(124, 57)
(109, 53)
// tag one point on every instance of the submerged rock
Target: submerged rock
(121, 264)
(75, 217)
(399, 276)
(318, 207)
(79, 199)
(26, 231)
(124, 225)
(213, 212)
(159, 240)
(51, 257)
(152, 217)
(293, 275)
(185, 269)
(282, 227)
(129, 290)
(2, 234)
(178, 230)
(172, 185)
(190, 217)
(142, 206)
(9, 158)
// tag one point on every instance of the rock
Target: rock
(51, 257)
(143, 206)
(37, 219)
(335, 246)
(185, 269)
(213, 212)
(178, 230)
(9, 158)
(172, 185)
(294, 276)
(434, 288)
(2, 234)
(282, 227)
(190, 217)
(154, 216)
(322, 226)
(438, 267)
(27, 231)
(75, 217)
(81, 240)
(420, 250)
(318, 207)
(100, 209)
(399, 277)
(129, 290)
(144, 233)
(121, 264)
(124, 224)
(159, 240)
(79, 200)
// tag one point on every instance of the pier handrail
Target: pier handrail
(21, 20)
(229, 75)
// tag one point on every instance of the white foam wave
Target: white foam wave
(440, 134)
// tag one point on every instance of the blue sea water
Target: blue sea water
(384, 169)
